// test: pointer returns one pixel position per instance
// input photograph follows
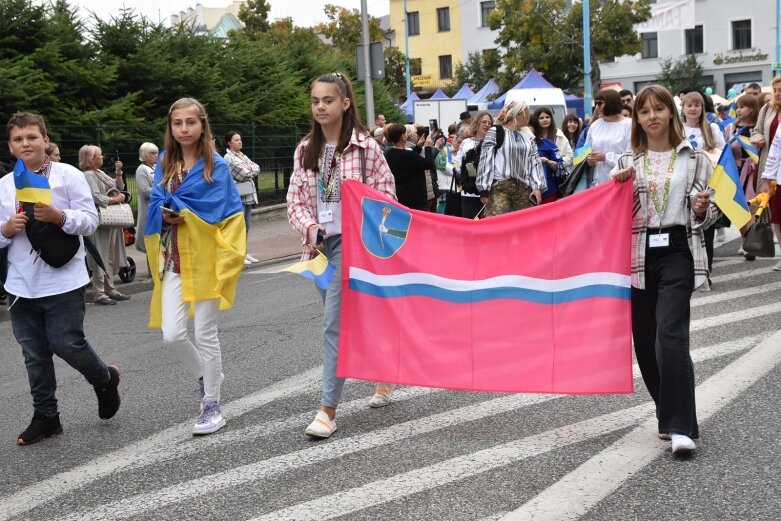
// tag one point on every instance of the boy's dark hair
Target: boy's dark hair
(625, 92)
(26, 119)
(754, 86)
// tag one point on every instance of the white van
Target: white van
(535, 98)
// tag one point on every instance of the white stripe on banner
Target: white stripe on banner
(503, 281)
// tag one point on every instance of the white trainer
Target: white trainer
(210, 419)
(321, 426)
(777, 266)
(382, 396)
(251, 259)
(682, 444)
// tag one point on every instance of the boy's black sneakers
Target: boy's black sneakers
(108, 395)
(41, 427)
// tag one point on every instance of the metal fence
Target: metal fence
(271, 147)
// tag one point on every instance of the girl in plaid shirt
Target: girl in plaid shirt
(672, 208)
(338, 147)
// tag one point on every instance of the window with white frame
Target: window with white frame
(650, 45)
(741, 34)
(694, 40)
(485, 10)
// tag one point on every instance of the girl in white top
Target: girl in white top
(701, 134)
(609, 136)
(481, 123)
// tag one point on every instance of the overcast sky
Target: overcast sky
(305, 13)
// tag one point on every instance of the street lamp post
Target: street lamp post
(406, 48)
(369, 87)
(587, 57)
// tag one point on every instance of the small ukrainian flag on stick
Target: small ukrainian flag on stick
(729, 196)
(318, 269)
(31, 187)
(581, 154)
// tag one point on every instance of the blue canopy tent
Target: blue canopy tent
(464, 92)
(482, 95)
(574, 102)
(439, 94)
(532, 80)
(407, 105)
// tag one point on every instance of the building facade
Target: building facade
(214, 21)
(734, 42)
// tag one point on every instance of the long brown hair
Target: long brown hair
(675, 130)
(751, 102)
(173, 150)
(564, 127)
(475, 125)
(350, 121)
(702, 123)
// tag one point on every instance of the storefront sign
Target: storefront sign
(721, 59)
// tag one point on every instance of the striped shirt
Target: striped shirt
(516, 159)
(698, 171)
(303, 192)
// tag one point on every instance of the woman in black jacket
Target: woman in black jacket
(408, 167)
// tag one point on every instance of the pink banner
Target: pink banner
(535, 301)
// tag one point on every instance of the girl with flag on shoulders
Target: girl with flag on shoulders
(195, 242)
(338, 147)
(671, 210)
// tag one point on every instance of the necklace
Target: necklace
(327, 171)
(652, 186)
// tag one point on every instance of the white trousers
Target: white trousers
(204, 357)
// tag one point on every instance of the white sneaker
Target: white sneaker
(721, 235)
(209, 420)
(382, 396)
(251, 258)
(321, 426)
(682, 444)
(777, 266)
(247, 262)
(741, 251)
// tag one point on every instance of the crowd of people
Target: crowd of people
(192, 199)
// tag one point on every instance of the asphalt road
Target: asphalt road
(431, 454)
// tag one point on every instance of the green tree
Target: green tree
(477, 69)
(254, 15)
(686, 71)
(548, 35)
(344, 28)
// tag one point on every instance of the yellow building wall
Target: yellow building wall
(430, 44)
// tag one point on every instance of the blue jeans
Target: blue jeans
(332, 301)
(54, 325)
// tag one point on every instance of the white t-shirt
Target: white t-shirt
(614, 139)
(28, 279)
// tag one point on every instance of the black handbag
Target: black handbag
(55, 247)
(453, 199)
(570, 183)
(759, 238)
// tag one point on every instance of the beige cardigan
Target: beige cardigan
(762, 128)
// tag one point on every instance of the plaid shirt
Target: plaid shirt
(242, 169)
(302, 192)
(698, 173)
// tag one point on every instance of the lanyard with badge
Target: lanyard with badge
(327, 182)
(659, 240)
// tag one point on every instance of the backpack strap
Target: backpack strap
(499, 137)
(362, 153)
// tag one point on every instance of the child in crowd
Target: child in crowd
(338, 147)
(196, 244)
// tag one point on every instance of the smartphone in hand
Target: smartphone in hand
(169, 211)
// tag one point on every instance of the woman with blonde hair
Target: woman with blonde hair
(510, 176)
(702, 134)
(108, 240)
(465, 160)
(672, 208)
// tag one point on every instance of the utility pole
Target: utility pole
(587, 57)
(406, 48)
(369, 88)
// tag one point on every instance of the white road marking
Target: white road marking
(735, 316)
(713, 297)
(134, 454)
(576, 493)
(741, 275)
(138, 504)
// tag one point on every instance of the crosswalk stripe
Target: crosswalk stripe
(335, 449)
(735, 316)
(716, 392)
(578, 491)
(713, 298)
(133, 455)
(741, 275)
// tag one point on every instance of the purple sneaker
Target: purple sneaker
(209, 420)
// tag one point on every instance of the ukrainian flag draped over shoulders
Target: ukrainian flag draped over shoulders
(212, 239)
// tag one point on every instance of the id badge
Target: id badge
(325, 216)
(659, 240)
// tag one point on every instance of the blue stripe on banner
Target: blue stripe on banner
(482, 295)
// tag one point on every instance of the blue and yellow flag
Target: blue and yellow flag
(729, 195)
(318, 269)
(31, 187)
(212, 240)
(581, 154)
(749, 148)
(732, 116)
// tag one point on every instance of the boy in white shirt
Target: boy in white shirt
(46, 302)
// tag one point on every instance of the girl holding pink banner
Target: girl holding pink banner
(338, 147)
(672, 210)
